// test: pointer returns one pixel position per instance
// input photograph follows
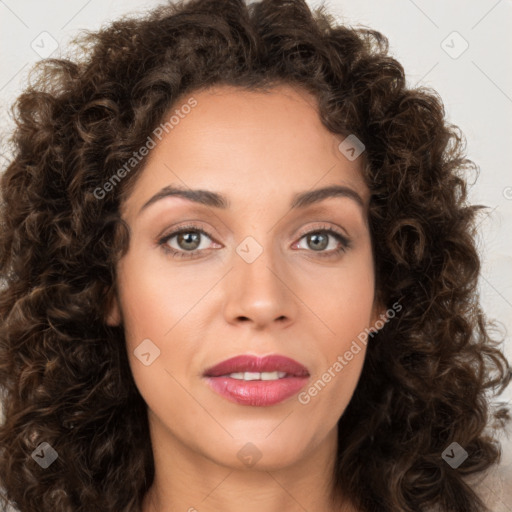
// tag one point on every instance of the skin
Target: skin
(258, 149)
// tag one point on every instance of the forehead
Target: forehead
(247, 142)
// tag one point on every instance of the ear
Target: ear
(113, 311)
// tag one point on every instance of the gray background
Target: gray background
(474, 82)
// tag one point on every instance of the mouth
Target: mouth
(255, 381)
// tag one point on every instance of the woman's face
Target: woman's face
(255, 284)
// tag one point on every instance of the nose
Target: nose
(260, 292)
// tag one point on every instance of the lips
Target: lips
(239, 379)
(248, 363)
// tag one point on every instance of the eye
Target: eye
(319, 239)
(188, 241)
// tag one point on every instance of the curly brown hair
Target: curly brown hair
(64, 373)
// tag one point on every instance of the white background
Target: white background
(476, 87)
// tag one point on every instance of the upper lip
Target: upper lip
(251, 363)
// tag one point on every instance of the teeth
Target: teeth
(257, 375)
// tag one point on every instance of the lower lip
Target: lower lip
(257, 392)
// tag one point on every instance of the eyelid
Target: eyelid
(176, 230)
(329, 229)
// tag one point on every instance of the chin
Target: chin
(262, 454)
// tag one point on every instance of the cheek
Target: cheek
(343, 301)
(343, 297)
(154, 295)
(335, 379)
(158, 305)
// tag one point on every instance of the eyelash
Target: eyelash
(344, 241)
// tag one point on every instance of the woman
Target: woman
(240, 274)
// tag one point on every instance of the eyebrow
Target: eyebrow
(216, 200)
